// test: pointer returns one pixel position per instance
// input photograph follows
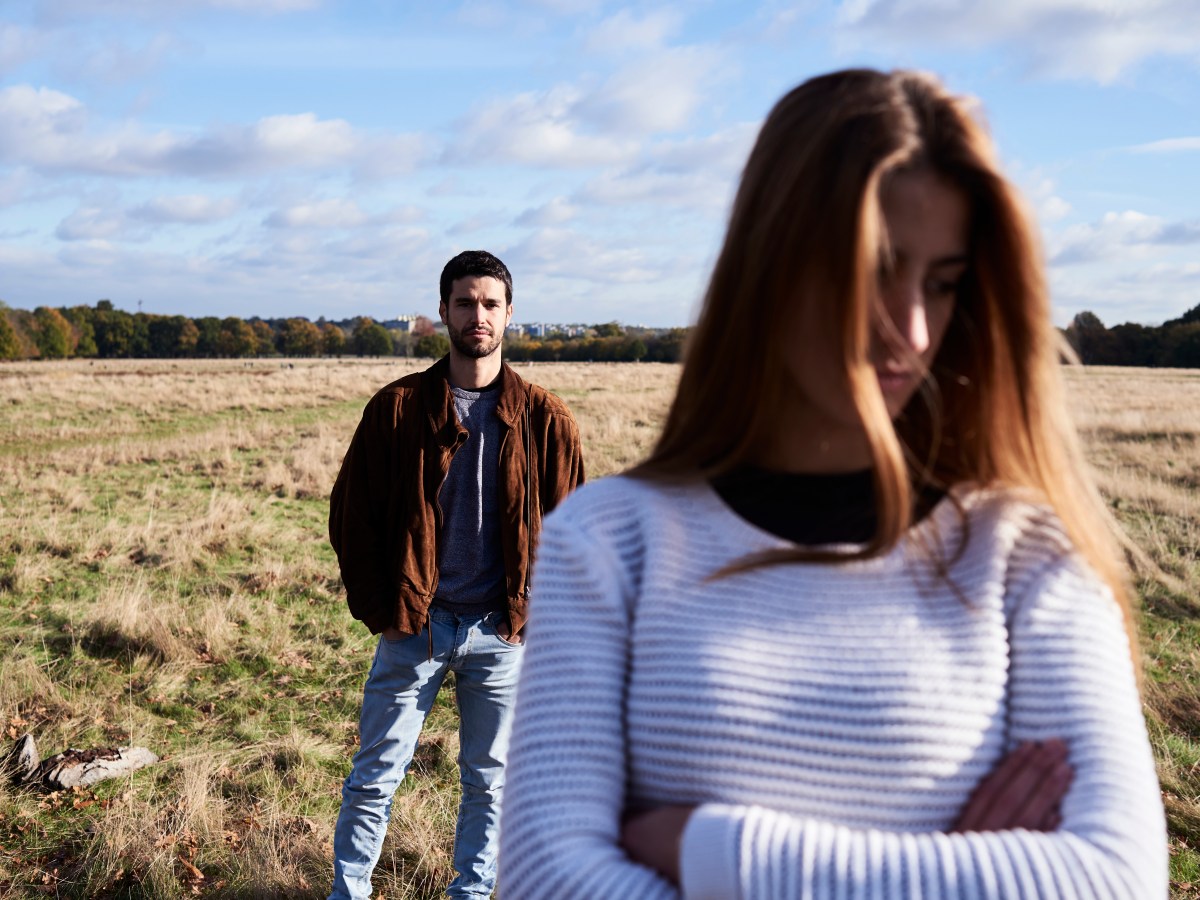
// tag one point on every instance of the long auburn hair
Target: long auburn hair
(992, 410)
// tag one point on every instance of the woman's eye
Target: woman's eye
(941, 287)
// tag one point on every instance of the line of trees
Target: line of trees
(1174, 344)
(608, 342)
(104, 332)
(108, 333)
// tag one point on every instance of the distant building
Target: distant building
(404, 323)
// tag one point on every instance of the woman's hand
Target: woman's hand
(653, 838)
(1023, 791)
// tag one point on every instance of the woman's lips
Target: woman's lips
(892, 381)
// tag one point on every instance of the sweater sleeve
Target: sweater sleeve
(565, 779)
(1071, 677)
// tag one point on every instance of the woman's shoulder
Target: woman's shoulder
(615, 499)
(616, 522)
(1018, 514)
(1019, 529)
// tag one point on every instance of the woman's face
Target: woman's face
(927, 220)
(927, 224)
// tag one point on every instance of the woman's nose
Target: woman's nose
(905, 305)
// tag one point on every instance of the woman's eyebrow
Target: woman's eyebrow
(899, 256)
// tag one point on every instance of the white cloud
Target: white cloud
(389, 247)
(14, 187)
(1053, 208)
(556, 212)
(541, 129)
(569, 275)
(574, 254)
(624, 31)
(658, 93)
(568, 7)
(260, 6)
(1148, 294)
(380, 273)
(47, 129)
(573, 126)
(1043, 194)
(1094, 39)
(185, 208)
(302, 139)
(694, 173)
(1127, 234)
(90, 223)
(723, 152)
(401, 215)
(390, 156)
(480, 221)
(68, 10)
(17, 45)
(1170, 145)
(333, 213)
(114, 61)
(1166, 273)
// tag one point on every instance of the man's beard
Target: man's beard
(475, 351)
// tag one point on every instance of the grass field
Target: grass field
(165, 581)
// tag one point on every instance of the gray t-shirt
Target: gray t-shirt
(471, 573)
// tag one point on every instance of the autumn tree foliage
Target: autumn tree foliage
(371, 338)
(432, 346)
(237, 338)
(333, 340)
(299, 337)
(9, 346)
(54, 336)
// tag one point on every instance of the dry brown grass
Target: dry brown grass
(165, 580)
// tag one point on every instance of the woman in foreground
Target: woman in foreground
(858, 624)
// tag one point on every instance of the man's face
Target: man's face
(476, 315)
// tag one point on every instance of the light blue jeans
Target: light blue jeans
(399, 693)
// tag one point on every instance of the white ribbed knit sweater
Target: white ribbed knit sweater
(828, 721)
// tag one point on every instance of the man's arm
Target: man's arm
(357, 509)
(562, 457)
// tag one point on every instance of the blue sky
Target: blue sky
(326, 157)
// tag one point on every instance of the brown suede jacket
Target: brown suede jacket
(384, 517)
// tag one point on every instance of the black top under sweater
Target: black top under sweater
(810, 509)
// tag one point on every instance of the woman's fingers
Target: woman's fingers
(1023, 791)
(653, 837)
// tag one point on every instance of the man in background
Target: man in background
(434, 518)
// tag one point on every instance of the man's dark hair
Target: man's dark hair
(478, 264)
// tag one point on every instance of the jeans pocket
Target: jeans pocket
(498, 620)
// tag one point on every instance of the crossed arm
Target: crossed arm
(1025, 790)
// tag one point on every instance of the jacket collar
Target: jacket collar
(439, 402)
